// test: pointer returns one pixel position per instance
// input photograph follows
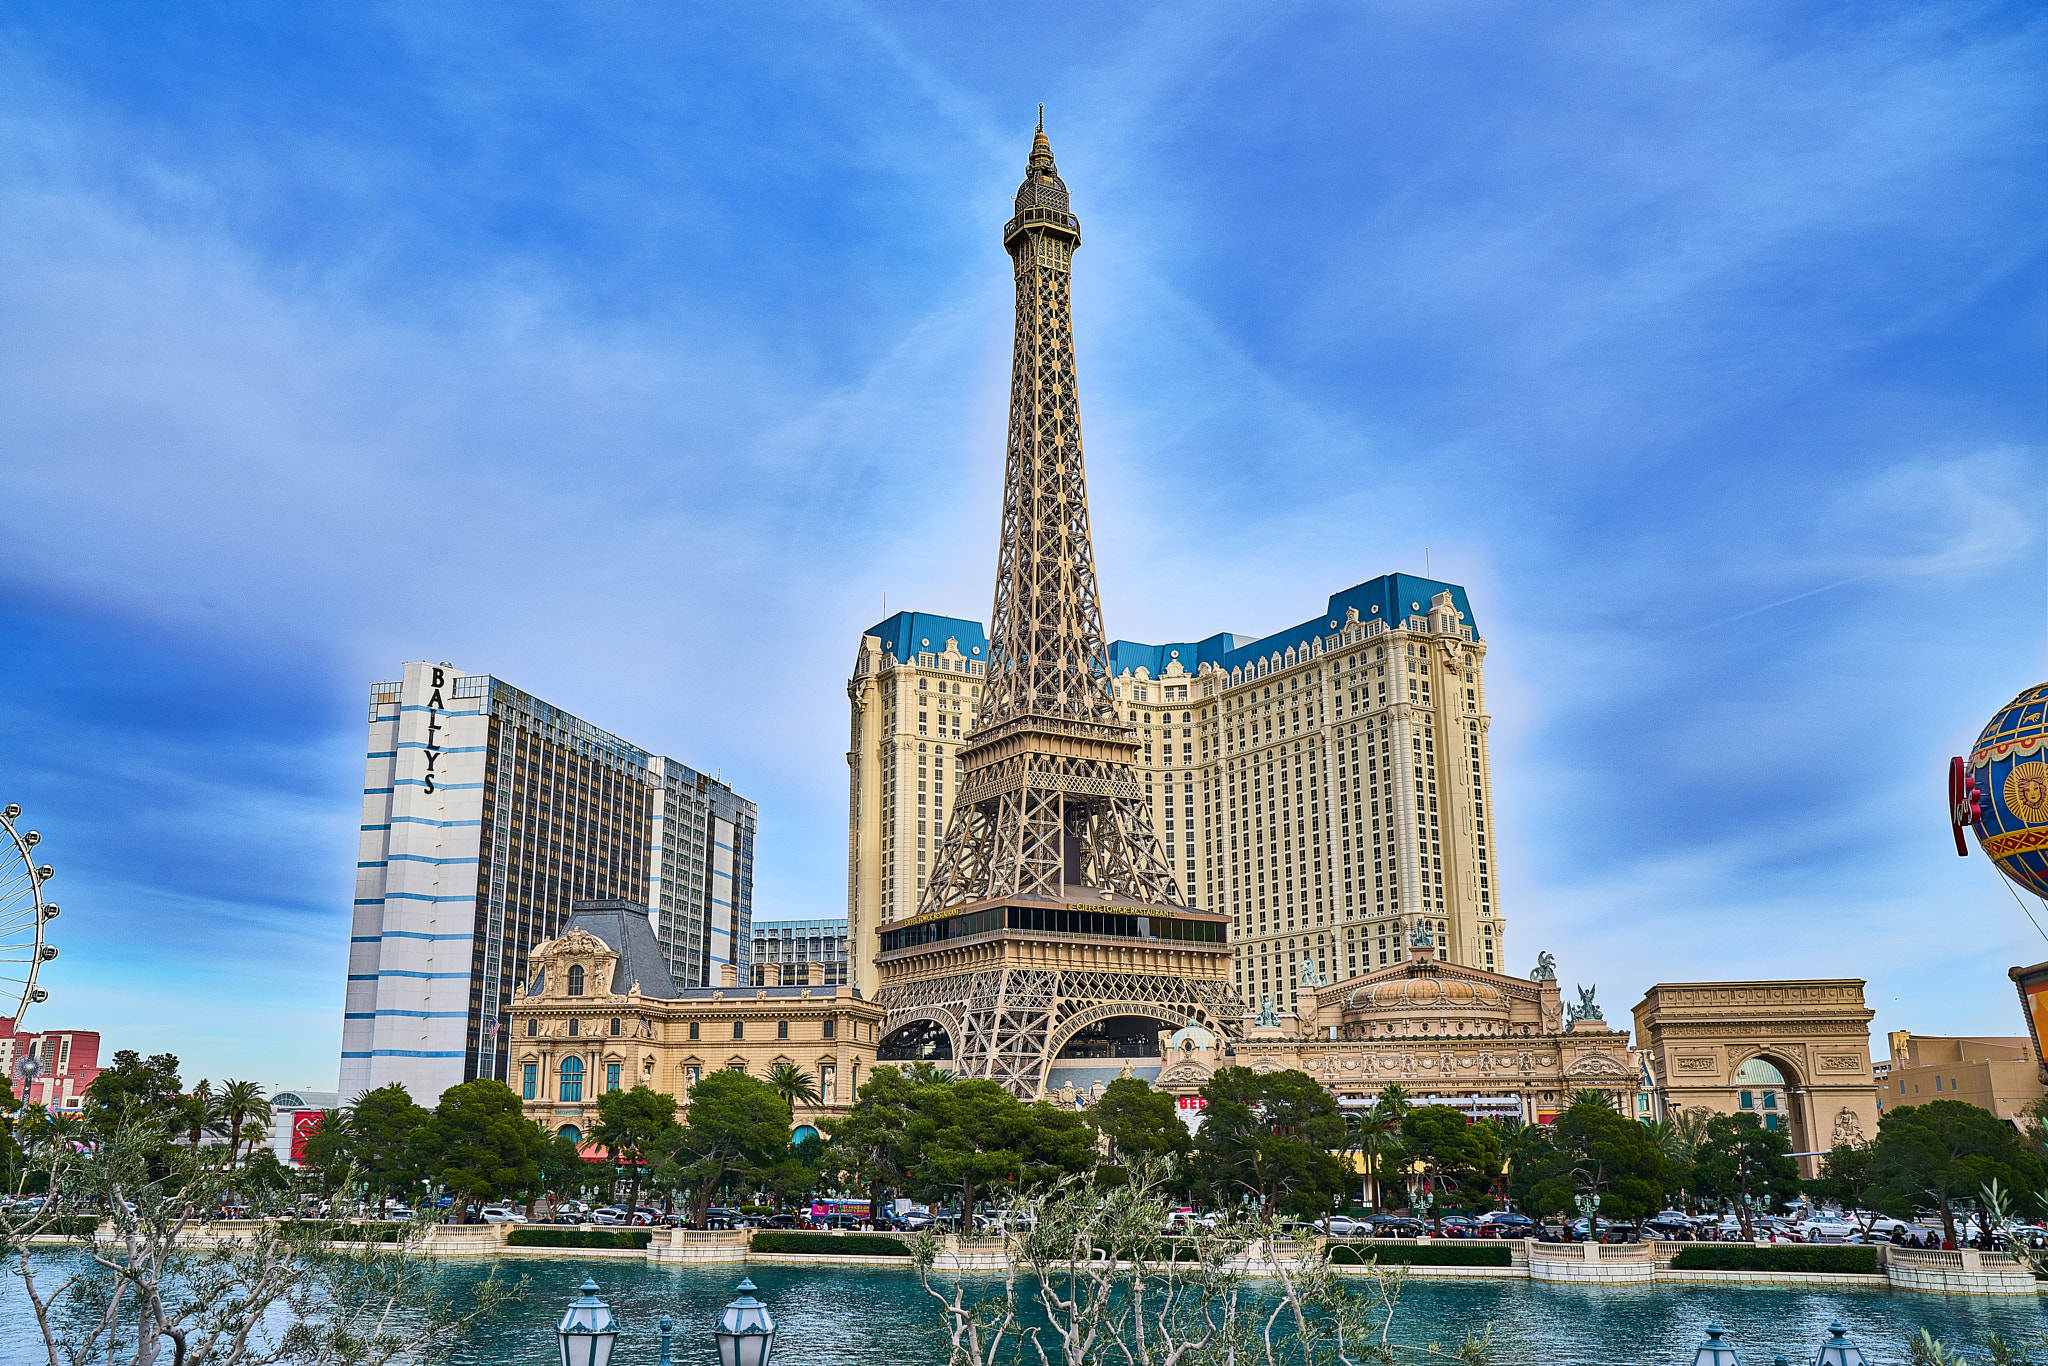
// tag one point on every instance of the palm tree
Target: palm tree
(1379, 1131)
(243, 1102)
(201, 1110)
(1589, 1095)
(793, 1084)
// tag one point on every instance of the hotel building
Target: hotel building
(800, 953)
(915, 693)
(1328, 787)
(486, 814)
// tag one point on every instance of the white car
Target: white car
(1343, 1226)
(1825, 1230)
(501, 1214)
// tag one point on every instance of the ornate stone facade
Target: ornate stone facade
(1442, 1030)
(1813, 1035)
(600, 1013)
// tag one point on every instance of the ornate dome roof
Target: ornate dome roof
(1427, 992)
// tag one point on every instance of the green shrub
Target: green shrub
(366, 1233)
(832, 1244)
(632, 1239)
(74, 1226)
(1854, 1261)
(1409, 1254)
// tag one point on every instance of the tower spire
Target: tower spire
(1048, 805)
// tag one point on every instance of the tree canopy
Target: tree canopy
(1268, 1138)
(1947, 1150)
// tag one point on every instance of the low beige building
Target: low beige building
(600, 1013)
(2001, 1075)
(1795, 1054)
(1492, 1045)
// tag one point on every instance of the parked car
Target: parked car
(1826, 1230)
(1395, 1226)
(1510, 1225)
(1343, 1226)
(501, 1214)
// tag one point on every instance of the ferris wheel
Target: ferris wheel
(23, 914)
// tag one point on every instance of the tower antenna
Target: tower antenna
(1041, 116)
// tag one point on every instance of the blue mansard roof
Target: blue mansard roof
(909, 634)
(1390, 598)
(1192, 654)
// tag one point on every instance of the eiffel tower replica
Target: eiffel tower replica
(1051, 906)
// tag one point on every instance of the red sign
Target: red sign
(1192, 1103)
(305, 1123)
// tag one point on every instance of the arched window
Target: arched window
(572, 1080)
(572, 1133)
(576, 979)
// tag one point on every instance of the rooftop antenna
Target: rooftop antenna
(1041, 116)
(1425, 562)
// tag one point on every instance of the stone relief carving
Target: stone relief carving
(1696, 1064)
(1848, 1129)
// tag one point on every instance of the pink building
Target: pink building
(65, 1063)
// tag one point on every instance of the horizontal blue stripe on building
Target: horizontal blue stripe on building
(375, 791)
(401, 1053)
(438, 787)
(421, 896)
(435, 976)
(382, 754)
(442, 711)
(376, 827)
(378, 864)
(373, 901)
(413, 1014)
(420, 858)
(422, 820)
(421, 744)
(403, 934)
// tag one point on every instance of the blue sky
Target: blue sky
(633, 352)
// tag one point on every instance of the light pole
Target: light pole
(1838, 1350)
(746, 1331)
(587, 1333)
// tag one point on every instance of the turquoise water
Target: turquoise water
(859, 1316)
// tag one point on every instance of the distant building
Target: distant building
(1999, 1074)
(486, 814)
(800, 953)
(599, 1013)
(65, 1061)
(293, 1116)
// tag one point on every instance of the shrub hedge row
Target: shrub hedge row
(831, 1244)
(632, 1239)
(1855, 1261)
(366, 1233)
(77, 1226)
(1408, 1254)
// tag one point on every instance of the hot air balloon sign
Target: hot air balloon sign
(2001, 791)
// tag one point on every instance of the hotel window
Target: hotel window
(615, 1026)
(576, 979)
(739, 1029)
(693, 1029)
(611, 1076)
(572, 1080)
(830, 1026)
(782, 1029)
(529, 1078)
(532, 1028)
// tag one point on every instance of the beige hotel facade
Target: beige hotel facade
(1328, 786)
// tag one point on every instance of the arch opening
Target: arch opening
(1119, 1036)
(917, 1041)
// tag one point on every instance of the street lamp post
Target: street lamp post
(587, 1332)
(746, 1330)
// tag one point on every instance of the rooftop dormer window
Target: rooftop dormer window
(576, 979)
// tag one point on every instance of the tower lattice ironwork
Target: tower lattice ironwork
(1048, 802)
(1051, 907)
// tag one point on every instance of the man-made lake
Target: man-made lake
(839, 1316)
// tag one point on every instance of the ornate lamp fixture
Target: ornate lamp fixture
(587, 1332)
(746, 1331)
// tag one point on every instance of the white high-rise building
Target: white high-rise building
(487, 816)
